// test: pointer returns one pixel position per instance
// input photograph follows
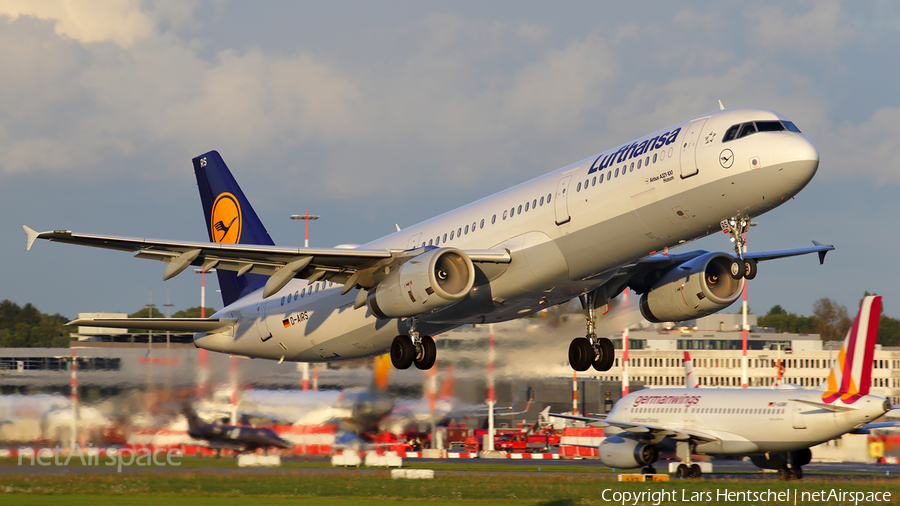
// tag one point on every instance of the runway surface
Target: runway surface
(723, 469)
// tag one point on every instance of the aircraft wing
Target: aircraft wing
(351, 267)
(678, 433)
(160, 324)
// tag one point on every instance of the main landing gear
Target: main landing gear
(687, 469)
(413, 349)
(737, 227)
(591, 350)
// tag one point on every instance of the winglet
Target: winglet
(32, 236)
(821, 253)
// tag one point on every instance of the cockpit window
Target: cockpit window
(790, 126)
(746, 129)
(751, 127)
(769, 126)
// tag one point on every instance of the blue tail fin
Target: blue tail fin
(229, 219)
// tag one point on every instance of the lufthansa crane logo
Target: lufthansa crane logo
(225, 221)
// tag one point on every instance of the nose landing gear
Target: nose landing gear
(737, 227)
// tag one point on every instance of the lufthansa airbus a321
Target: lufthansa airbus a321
(588, 230)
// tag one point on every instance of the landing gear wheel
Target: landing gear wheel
(428, 353)
(683, 471)
(402, 352)
(736, 269)
(648, 470)
(695, 471)
(796, 473)
(607, 355)
(749, 268)
(784, 474)
(581, 354)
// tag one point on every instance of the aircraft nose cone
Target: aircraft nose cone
(799, 158)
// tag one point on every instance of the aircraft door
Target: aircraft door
(562, 200)
(414, 241)
(689, 148)
(797, 414)
(261, 325)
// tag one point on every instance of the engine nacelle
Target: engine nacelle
(430, 281)
(694, 289)
(780, 460)
(626, 453)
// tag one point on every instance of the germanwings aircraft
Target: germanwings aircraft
(588, 230)
(775, 426)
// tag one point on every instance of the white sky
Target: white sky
(375, 113)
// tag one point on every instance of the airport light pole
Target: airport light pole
(304, 366)
(168, 305)
(305, 217)
(150, 305)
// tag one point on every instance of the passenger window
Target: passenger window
(542, 201)
(473, 225)
(594, 181)
(632, 167)
(534, 204)
(317, 287)
(282, 300)
(654, 157)
(609, 175)
(512, 212)
(662, 156)
(601, 179)
(459, 232)
(437, 241)
(505, 214)
(578, 188)
(493, 219)
(296, 295)
(586, 181)
(526, 206)
(303, 293)
(548, 197)
(445, 237)
(451, 235)
(617, 172)
(467, 230)
(430, 242)
(646, 162)
(746, 129)
(482, 223)
(520, 209)
(639, 164)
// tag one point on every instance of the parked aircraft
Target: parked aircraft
(232, 437)
(775, 426)
(587, 230)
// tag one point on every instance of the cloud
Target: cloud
(119, 21)
(819, 30)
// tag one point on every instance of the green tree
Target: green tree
(831, 320)
(782, 321)
(193, 312)
(27, 327)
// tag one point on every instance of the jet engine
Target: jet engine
(694, 289)
(617, 451)
(430, 281)
(798, 458)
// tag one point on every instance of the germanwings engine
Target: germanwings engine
(696, 288)
(626, 453)
(430, 281)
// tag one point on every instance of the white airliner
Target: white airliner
(587, 230)
(775, 426)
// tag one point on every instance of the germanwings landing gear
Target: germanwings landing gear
(737, 227)
(591, 350)
(687, 469)
(413, 349)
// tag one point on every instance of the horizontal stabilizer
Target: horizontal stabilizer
(161, 324)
